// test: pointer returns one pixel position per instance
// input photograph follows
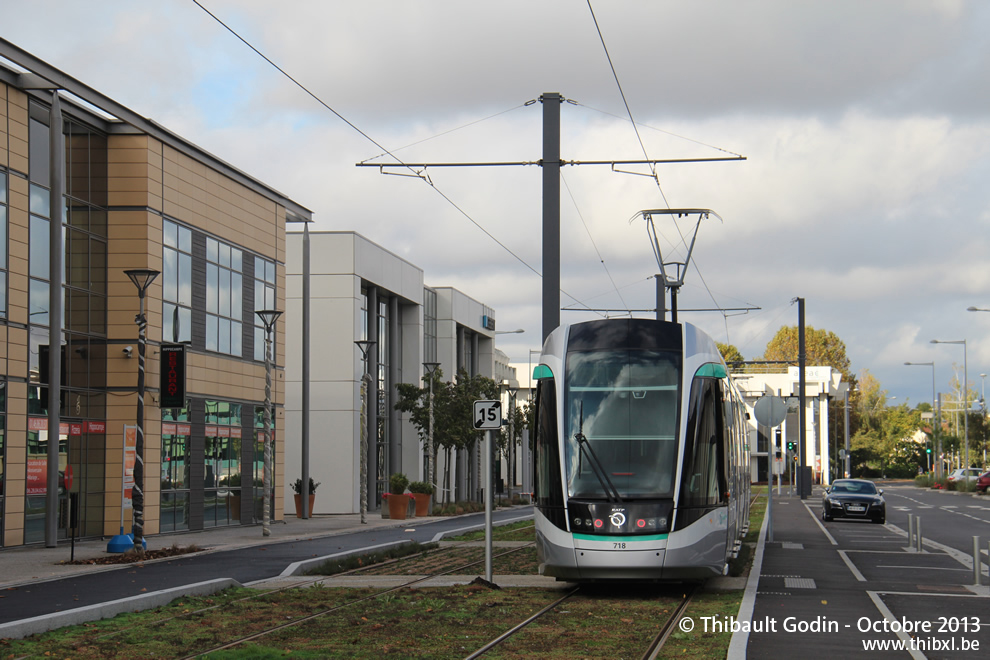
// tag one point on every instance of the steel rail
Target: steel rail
(511, 632)
(657, 644)
(455, 545)
(316, 615)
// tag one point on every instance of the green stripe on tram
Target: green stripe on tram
(542, 371)
(711, 370)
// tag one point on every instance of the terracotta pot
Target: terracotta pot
(397, 506)
(422, 504)
(234, 506)
(298, 498)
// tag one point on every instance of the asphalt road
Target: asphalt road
(245, 565)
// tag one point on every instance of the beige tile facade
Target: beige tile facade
(148, 178)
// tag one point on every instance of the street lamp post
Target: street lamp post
(431, 368)
(935, 448)
(269, 317)
(142, 278)
(365, 346)
(965, 391)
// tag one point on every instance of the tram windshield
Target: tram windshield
(621, 423)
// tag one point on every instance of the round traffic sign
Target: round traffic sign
(770, 410)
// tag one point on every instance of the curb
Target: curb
(46, 622)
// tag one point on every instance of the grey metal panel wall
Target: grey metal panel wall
(197, 463)
(198, 291)
(248, 316)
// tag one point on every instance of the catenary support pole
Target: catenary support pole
(551, 211)
(803, 489)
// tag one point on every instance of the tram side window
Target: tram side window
(703, 478)
(546, 478)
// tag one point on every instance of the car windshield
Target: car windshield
(861, 487)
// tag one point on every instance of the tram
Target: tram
(641, 468)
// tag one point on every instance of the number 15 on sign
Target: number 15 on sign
(487, 415)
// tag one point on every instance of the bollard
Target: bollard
(977, 565)
(910, 531)
(917, 532)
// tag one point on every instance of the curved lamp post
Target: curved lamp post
(965, 389)
(142, 278)
(269, 317)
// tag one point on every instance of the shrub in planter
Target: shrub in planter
(298, 486)
(397, 483)
(398, 501)
(421, 487)
(422, 492)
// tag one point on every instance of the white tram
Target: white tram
(641, 465)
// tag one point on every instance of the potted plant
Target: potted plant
(298, 487)
(398, 501)
(422, 492)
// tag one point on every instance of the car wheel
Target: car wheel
(826, 517)
(880, 521)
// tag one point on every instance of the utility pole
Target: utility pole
(804, 472)
(551, 212)
(551, 164)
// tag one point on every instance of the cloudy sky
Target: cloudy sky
(865, 128)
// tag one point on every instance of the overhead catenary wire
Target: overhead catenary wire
(601, 259)
(641, 144)
(370, 139)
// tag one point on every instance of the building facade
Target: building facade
(361, 292)
(824, 444)
(129, 194)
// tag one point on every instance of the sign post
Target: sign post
(770, 411)
(488, 418)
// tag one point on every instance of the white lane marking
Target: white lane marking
(851, 566)
(889, 616)
(820, 525)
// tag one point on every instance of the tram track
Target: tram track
(337, 608)
(433, 550)
(651, 652)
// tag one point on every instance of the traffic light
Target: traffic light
(928, 450)
(791, 445)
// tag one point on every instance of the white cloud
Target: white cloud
(865, 128)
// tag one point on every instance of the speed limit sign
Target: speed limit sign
(487, 415)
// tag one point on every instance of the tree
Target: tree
(822, 348)
(729, 352)
(453, 412)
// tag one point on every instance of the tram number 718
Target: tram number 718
(619, 546)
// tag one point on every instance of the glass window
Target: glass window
(429, 325)
(39, 138)
(40, 202)
(704, 478)
(264, 298)
(224, 298)
(176, 282)
(175, 462)
(222, 481)
(620, 423)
